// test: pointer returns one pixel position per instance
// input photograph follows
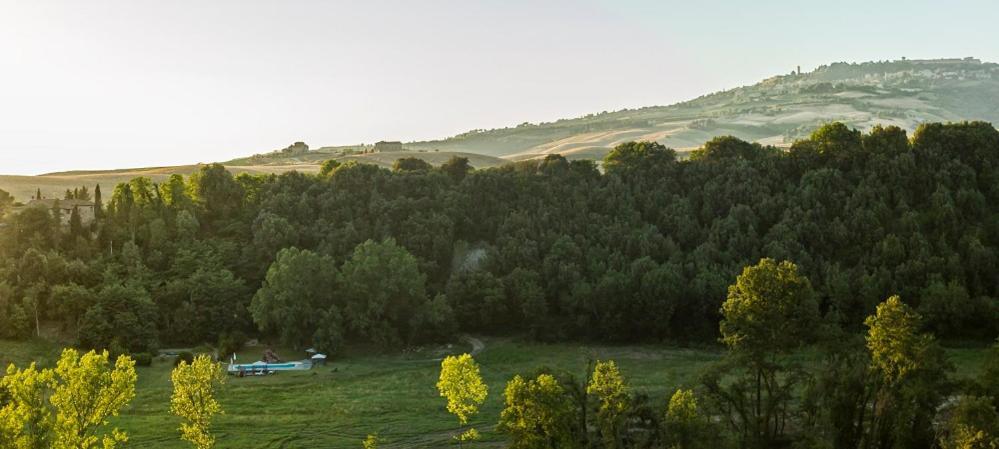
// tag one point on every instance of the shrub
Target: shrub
(143, 359)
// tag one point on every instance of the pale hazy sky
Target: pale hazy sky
(105, 84)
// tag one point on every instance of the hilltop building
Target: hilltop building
(296, 148)
(388, 147)
(968, 60)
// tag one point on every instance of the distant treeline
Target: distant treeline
(642, 250)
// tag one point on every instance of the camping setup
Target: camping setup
(270, 363)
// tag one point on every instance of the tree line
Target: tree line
(886, 388)
(640, 248)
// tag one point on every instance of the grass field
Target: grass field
(54, 185)
(393, 396)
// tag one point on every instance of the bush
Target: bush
(184, 356)
(143, 359)
(230, 343)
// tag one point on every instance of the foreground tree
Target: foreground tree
(88, 390)
(685, 425)
(67, 407)
(608, 386)
(538, 414)
(769, 313)
(25, 416)
(909, 378)
(461, 385)
(195, 387)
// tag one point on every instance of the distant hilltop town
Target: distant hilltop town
(968, 60)
(896, 73)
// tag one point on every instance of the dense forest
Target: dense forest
(642, 248)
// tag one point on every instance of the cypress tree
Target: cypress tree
(98, 206)
(75, 223)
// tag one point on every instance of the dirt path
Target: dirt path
(477, 345)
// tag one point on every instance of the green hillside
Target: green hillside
(776, 111)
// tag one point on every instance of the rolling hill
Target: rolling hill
(775, 111)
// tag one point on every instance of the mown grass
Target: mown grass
(393, 396)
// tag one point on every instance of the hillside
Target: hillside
(775, 111)
(53, 185)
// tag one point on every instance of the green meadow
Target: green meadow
(391, 395)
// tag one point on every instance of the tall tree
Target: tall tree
(194, 400)
(383, 288)
(910, 378)
(770, 312)
(98, 202)
(299, 290)
(462, 386)
(538, 414)
(608, 386)
(89, 390)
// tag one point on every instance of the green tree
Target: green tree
(384, 289)
(639, 159)
(770, 312)
(121, 320)
(686, 426)
(407, 164)
(299, 288)
(462, 386)
(478, 300)
(25, 416)
(328, 167)
(894, 341)
(607, 385)
(456, 168)
(218, 194)
(538, 414)
(195, 390)
(87, 391)
(98, 202)
(909, 378)
(973, 424)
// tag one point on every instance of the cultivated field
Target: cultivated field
(53, 185)
(393, 396)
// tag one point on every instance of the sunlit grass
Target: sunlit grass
(392, 395)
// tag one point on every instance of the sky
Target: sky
(102, 84)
